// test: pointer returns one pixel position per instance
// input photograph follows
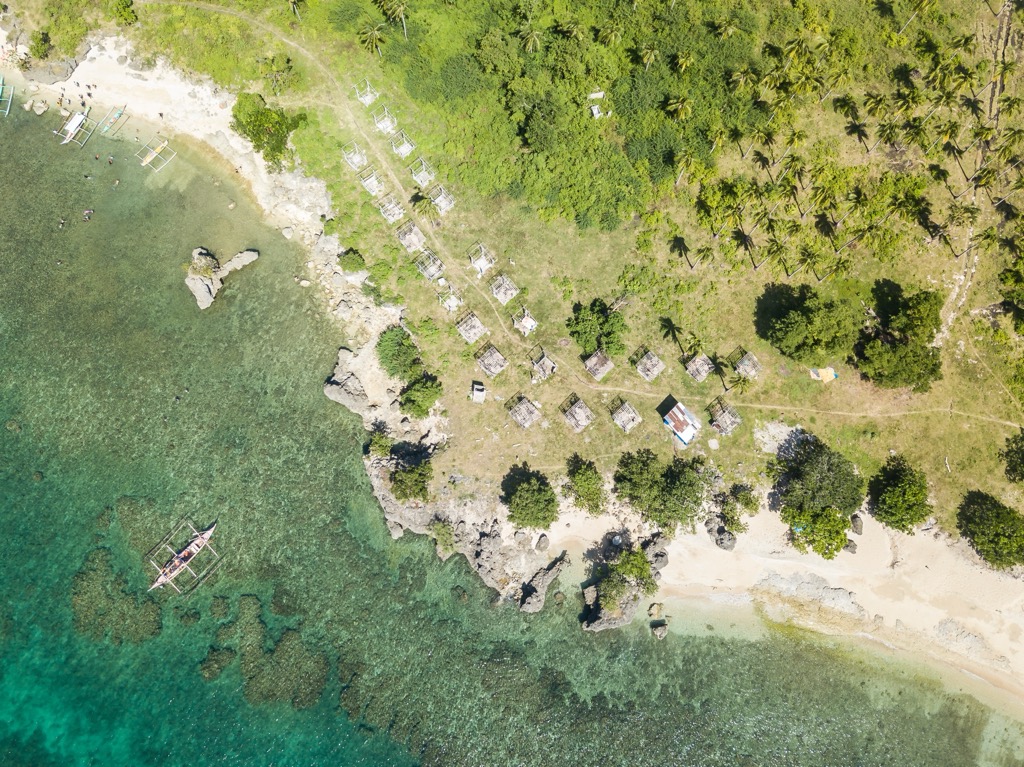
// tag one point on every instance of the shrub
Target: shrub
(739, 500)
(398, 354)
(900, 495)
(530, 499)
(39, 46)
(630, 571)
(586, 486)
(1013, 455)
(380, 443)
(412, 482)
(268, 129)
(351, 261)
(596, 327)
(418, 397)
(995, 530)
(815, 329)
(123, 13)
(444, 536)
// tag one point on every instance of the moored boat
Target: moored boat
(179, 562)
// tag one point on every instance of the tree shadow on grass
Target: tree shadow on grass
(518, 475)
(777, 301)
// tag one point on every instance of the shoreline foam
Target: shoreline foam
(916, 594)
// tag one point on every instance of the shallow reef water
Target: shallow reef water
(319, 641)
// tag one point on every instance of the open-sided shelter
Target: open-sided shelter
(366, 94)
(503, 289)
(523, 411)
(523, 321)
(481, 259)
(598, 364)
(354, 155)
(385, 121)
(429, 265)
(391, 209)
(371, 181)
(700, 367)
(576, 413)
(471, 328)
(543, 366)
(402, 145)
(411, 237)
(442, 199)
(422, 173)
(745, 363)
(491, 361)
(649, 365)
(625, 416)
(723, 416)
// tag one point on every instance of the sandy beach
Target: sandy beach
(925, 594)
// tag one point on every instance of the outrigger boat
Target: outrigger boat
(112, 120)
(154, 153)
(72, 126)
(179, 562)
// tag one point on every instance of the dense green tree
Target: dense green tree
(995, 530)
(586, 485)
(1013, 456)
(667, 494)
(412, 481)
(39, 46)
(823, 531)
(398, 354)
(420, 395)
(268, 129)
(531, 501)
(814, 328)
(897, 351)
(630, 571)
(596, 326)
(124, 12)
(899, 493)
(380, 443)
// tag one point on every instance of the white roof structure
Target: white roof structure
(683, 423)
(412, 239)
(481, 259)
(503, 289)
(385, 121)
(365, 93)
(491, 361)
(477, 392)
(523, 411)
(598, 364)
(371, 182)
(422, 173)
(576, 413)
(471, 328)
(524, 322)
(354, 156)
(451, 300)
(442, 199)
(649, 366)
(402, 145)
(626, 417)
(429, 265)
(391, 209)
(700, 367)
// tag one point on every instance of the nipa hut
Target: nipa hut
(442, 199)
(385, 121)
(429, 265)
(402, 145)
(481, 259)
(421, 172)
(523, 411)
(471, 328)
(371, 182)
(391, 209)
(451, 300)
(649, 366)
(723, 416)
(366, 93)
(411, 237)
(576, 413)
(700, 367)
(625, 416)
(524, 322)
(503, 289)
(598, 364)
(354, 155)
(543, 366)
(491, 361)
(745, 363)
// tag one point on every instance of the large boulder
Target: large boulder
(206, 275)
(725, 540)
(534, 590)
(857, 524)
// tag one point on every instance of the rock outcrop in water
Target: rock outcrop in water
(600, 617)
(535, 590)
(206, 276)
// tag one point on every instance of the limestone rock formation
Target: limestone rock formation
(206, 275)
(535, 590)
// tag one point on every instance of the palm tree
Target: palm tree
(679, 107)
(794, 138)
(739, 383)
(648, 55)
(683, 62)
(875, 103)
(395, 11)
(919, 7)
(742, 80)
(703, 255)
(610, 34)
(372, 37)
(1016, 186)
(859, 131)
(726, 28)
(847, 107)
(531, 37)
(572, 29)
(716, 136)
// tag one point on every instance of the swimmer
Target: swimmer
(116, 182)
(110, 160)
(61, 225)
(97, 157)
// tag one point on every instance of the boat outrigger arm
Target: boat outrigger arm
(179, 562)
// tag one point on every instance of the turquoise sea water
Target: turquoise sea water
(320, 641)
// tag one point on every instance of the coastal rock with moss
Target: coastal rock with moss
(206, 275)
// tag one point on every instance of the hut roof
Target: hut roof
(491, 361)
(700, 367)
(524, 322)
(650, 366)
(543, 366)
(411, 237)
(598, 364)
(626, 417)
(503, 289)
(471, 328)
(429, 265)
(683, 423)
(576, 413)
(724, 418)
(523, 411)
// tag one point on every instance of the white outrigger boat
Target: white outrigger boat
(72, 126)
(179, 562)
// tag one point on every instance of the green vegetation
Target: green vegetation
(380, 443)
(630, 571)
(899, 493)
(896, 350)
(398, 354)
(820, 490)
(1013, 457)
(124, 13)
(67, 23)
(412, 482)
(586, 485)
(39, 45)
(667, 494)
(268, 129)
(530, 498)
(444, 536)
(596, 327)
(810, 328)
(420, 395)
(995, 530)
(352, 261)
(738, 501)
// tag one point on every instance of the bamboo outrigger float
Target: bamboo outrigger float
(182, 561)
(77, 129)
(6, 97)
(156, 154)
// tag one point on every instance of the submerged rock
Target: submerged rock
(659, 629)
